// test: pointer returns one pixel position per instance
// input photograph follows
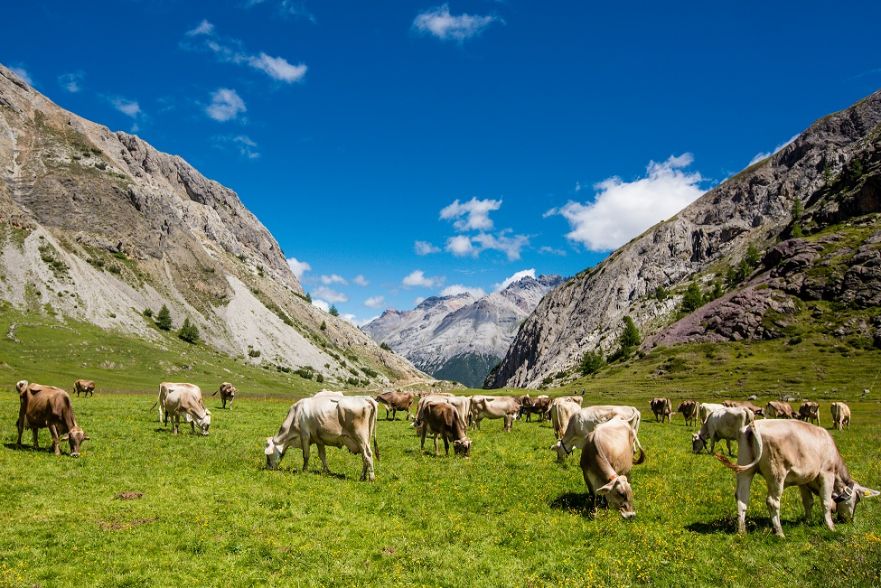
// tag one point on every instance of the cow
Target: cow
(50, 407)
(840, 415)
(779, 409)
(606, 461)
(325, 419)
(756, 410)
(476, 401)
(86, 387)
(809, 411)
(723, 423)
(496, 407)
(585, 420)
(562, 409)
(187, 400)
(688, 408)
(227, 392)
(442, 418)
(539, 405)
(462, 404)
(794, 453)
(395, 401)
(164, 389)
(662, 409)
(704, 410)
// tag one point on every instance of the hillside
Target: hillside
(99, 227)
(797, 227)
(461, 337)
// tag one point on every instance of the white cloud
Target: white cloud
(621, 210)
(247, 147)
(23, 74)
(333, 279)
(360, 280)
(425, 248)
(418, 300)
(349, 318)
(760, 156)
(127, 107)
(472, 215)
(203, 28)
(456, 289)
(515, 277)
(460, 245)
(509, 245)
(545, 249)
(445, 26)
(278, 68)
(226, 104)
(72, 82)
(321, 304)
(298, 267)
(418, 278)
(374, 301)
(331, 295)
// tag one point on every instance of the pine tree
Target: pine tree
(163, 319)
(189, 332)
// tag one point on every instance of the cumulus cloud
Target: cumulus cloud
(621, 210)
(507, 243)
(23, 74)
(460, 245)
(226, 104)
(425, 248)
(321, 304)
(298, 267)
(515, 277)
(71, 82)
(331, 295)
(439, 23)
(760, 156)
(278, 68)
(472, 215)
(360, 280)
(417, 278)
(374, 301)
(127, 107)
(456, 289)
(333, 279)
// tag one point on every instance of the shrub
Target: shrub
(661, 293)
(385, 346)
(352, 381)
(629, 340)
(253, 352)
(693, 298)
(333, 311)
(163, 319)
(305, 373)
(369, 372)
(591, 363)
(148, 312)
(797, 210)
(189, 332)
(323, 326)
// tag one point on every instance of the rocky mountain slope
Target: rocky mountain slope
(461, 337)
(744, 236)
(99, 226)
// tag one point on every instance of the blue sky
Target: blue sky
(503, 135)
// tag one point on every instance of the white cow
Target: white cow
(328, 419)
(585, 420)
(562, 409)
(840, 415)
(723, 423)
(495, 407)
(705, 408)
(165, 388)
(187, 400)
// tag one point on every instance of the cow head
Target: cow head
(846, 502)
(75, 437)
(561, 449)
(273, 452)
(462, 447)
(21, 385)
(204, 422)
(619, 494)
(698, 443)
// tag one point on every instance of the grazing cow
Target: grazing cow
(688, 408)
(227, 392)
(794, 453)
(840, 415)
(395, 401)
(705, 409)
(724, 423)
(585, 420)
(50, 407)
(756, 410)
(462, 404)
(809, 411)
(187, 400)
(562, 409)
(540, 405)
(86, 387)
(662, 409)
(778, 409)
(496, 407)
(327, 419)
(164, 389)
(606, 460)
(442, 418)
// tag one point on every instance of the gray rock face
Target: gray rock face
(107, 226)
(585, 314)
(461, 337)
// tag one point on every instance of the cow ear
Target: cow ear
(65, 437)
(868, 492)
(606, 489)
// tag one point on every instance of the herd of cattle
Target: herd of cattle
(785, 448)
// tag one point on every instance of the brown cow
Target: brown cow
(540, 405)
(606, 460)
(396, 401)
(809, 411)
(778, 409)
(840, 415)
(50, 407)
(756, 410)
(794, 453)
(688, 408)
(227, 392)
(443, 419)
(87, 387)
(662, 409)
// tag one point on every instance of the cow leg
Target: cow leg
(36, 433)
(322, 454)
(744, 481)
(728, 443)
(306, 449)
(807, 500)
(435, 444)
(827, 482)
(56, 444)
(367, 469)
(394, 414)
(20, 425)
(509, 423)
(175, 423)
(775, 492)
(422, 435)
(446, 446)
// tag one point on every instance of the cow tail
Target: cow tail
(215, 392)
(755, 439)
(636, 436)
(373, 418)
(641, 458)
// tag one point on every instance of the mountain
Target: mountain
(461, 337)
(747, 257)
(100, 227)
